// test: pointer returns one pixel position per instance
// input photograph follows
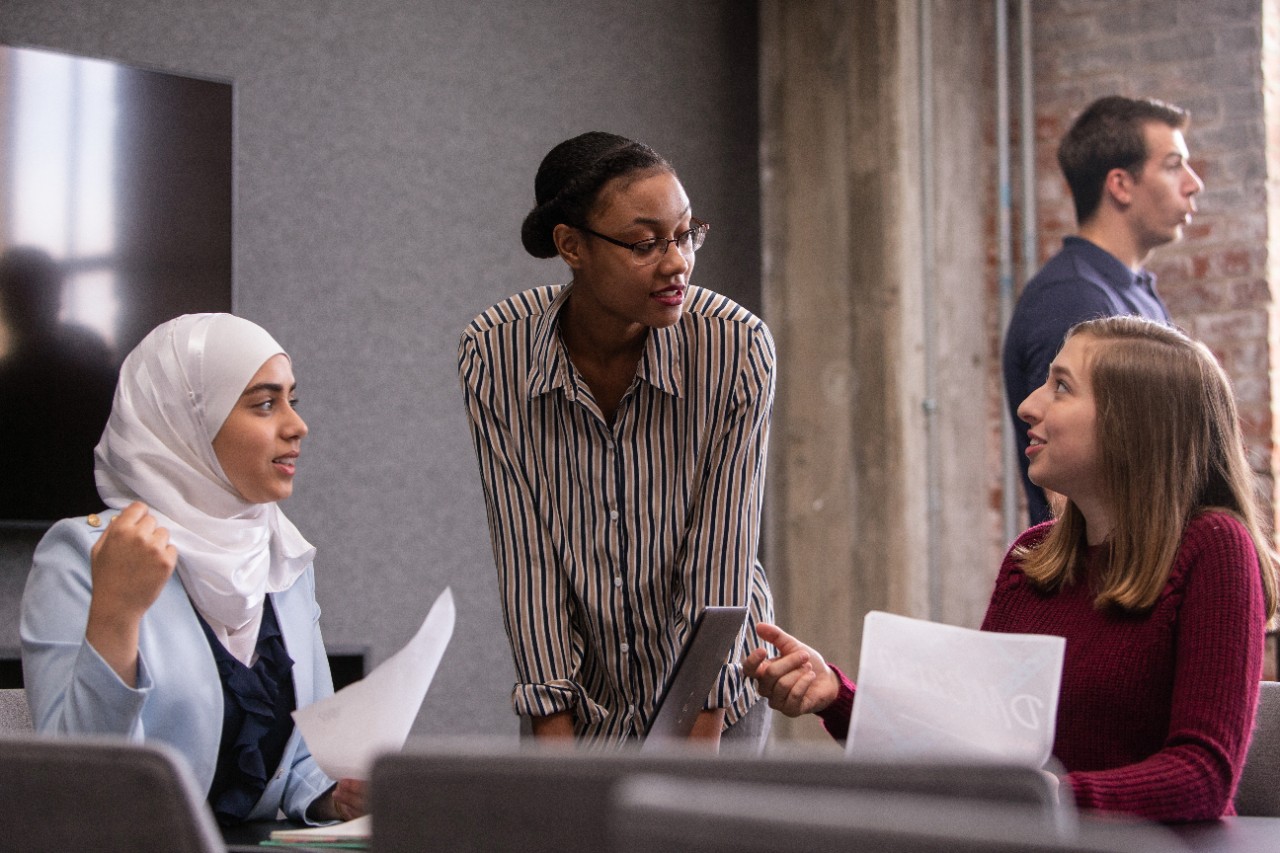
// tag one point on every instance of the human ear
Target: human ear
(1119, 185)
(569, 243)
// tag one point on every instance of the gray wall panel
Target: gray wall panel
(385, 158)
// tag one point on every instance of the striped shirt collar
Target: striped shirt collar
(549, 366)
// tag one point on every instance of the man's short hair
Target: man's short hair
(1109, 135)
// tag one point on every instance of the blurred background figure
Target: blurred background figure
(56, 382)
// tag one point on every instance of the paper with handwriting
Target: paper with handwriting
(931, 691)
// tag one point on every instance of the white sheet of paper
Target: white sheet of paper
(348, 730)
(933, 691)
(359, 829)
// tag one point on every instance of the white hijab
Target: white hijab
(175, 391)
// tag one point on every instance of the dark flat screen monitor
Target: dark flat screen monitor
(115, 216)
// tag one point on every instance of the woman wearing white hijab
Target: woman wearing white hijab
(187, 613)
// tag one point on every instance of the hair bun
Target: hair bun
(535, 234)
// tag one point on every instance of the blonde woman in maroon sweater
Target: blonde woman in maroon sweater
(1155, 570)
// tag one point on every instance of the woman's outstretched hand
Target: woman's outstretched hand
(797, 681)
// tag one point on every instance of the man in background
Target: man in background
(1126, 163)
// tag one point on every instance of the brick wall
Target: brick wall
(1206, 56)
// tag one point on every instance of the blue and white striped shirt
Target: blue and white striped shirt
(610, 539)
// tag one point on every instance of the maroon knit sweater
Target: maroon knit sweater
(1155, 711)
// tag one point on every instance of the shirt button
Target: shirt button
(625, 648)
(613, 515)
(617, 581)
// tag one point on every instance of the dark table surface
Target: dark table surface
(1229, 835)
(1232, 835)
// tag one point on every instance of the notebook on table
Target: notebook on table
(707, 649)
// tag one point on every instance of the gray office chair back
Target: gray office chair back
(505, 796)
(15, 716)
(660, 814)
(1258, 793)
(108, 796)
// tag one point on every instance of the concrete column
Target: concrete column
(860, 444)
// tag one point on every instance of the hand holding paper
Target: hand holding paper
(347, 730)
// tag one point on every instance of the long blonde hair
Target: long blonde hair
(1170, 447)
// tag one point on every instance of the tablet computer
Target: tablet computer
(707, 649)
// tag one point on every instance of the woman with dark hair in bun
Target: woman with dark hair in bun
(621, 422)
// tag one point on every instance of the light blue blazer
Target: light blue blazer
(178, 700)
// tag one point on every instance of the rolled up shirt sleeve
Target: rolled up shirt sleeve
(536, 601)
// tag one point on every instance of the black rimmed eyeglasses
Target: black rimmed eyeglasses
(648, 252)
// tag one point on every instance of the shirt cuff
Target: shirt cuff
(100, 702)
(734, 692)
(552, 697)
(835, 717)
